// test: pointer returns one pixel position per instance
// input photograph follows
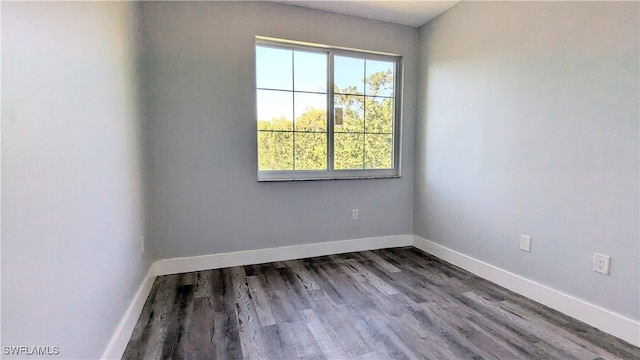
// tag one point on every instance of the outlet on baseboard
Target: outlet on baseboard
(601, 263)
(525, 243)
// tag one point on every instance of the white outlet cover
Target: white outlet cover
(601, 263)
(525, 243)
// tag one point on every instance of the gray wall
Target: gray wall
(71, 182)
(528, 124)
(200, 103)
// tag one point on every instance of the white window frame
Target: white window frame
(331, 173)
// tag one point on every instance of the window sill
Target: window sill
(285, 178)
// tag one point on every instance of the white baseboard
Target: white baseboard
(118, 343)
(217, 261)
(121, 337)
(603, 319)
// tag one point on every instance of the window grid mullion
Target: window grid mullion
(364, 114)
(330, 112)
(293, 108)
(285, 90)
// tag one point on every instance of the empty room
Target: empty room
(320, 180)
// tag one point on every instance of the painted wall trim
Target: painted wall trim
(258, 256)
(123, 332)
(603, 319)
(118, 343)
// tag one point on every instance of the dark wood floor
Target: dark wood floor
(384, 304)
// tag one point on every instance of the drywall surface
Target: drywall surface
(199, 86)
(528, 124)
(71, 183)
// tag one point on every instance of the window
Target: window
(326, 113)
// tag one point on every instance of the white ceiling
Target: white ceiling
(412, 13)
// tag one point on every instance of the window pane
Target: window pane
(378, 151)
(310, 151)
(274, 68)
(349, 151)
(275, 150)
(348, 75)
(379, 115)
(310, 71)
(379, 78)
(311, 112)
(275, 110)
(298, 94)
(352, 108)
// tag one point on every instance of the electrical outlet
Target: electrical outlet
(354, 214)
(525, 243)
(141, 244)
(601, 263)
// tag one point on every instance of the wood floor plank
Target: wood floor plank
(371, 323)
(396, 303)
(261, 300)
(567, 350)
(457, 342)
(282, 309)
(559, 332)
(510, 338)
(375, 355)
(196, 342)
(340, 326)
(297, 294)
(220, 289)
(300, 270)
(157, 327)
(327, 289)
(225, 336)
(177, 321)
(140, 336)
(319, 332)
(251, 340)
(298, 337)
(276, 348)
(369, 276)
(383, 264)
